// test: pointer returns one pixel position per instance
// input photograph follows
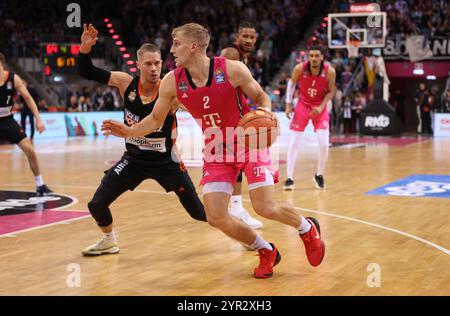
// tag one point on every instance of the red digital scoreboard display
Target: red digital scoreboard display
(60, 58)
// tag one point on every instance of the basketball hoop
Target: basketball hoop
(352, 48)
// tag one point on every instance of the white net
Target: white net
(352, 48)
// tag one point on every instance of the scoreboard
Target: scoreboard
(60, 58)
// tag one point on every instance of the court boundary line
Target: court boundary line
(392, 230)
(67, 221)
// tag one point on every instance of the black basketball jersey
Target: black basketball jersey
(241, 56)
(7, 92)
(155, 147)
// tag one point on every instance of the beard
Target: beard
(246, 49)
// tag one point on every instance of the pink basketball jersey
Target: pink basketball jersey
(216, 105)
(313, 88)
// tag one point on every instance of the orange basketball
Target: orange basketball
(258, 129)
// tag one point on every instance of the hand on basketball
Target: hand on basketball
(89, 37)
(40, 126)
(288, 110)
(111, 127)
(264, 109)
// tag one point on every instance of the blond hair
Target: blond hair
(196, 32)
(152, 48)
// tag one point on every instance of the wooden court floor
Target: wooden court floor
(376, 245)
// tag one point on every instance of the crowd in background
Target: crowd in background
(277, 23)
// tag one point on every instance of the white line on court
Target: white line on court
(393, 230)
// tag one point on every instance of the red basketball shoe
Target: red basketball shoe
(314, 245)
(267, 260)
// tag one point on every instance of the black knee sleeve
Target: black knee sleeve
(239, 178)
(192, 204)
(100, 212)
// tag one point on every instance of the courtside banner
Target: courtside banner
(89, 123)
(72, 124)
(419, 185)
(442, 125)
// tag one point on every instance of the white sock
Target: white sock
(304, 227)
(294, 147)
(110, 236)
(236, 202)
(39, 180)
(323, 135)
(260, 243)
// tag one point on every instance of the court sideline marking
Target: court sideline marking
(393, 230)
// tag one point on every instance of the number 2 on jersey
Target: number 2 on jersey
(205, 102)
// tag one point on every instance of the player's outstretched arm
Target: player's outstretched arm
(164, 103)
(87, 70)
(241, 77)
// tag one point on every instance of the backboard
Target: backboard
(367, 28)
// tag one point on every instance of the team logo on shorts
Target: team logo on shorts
(220, 76)
(21, 210)
(183, 86)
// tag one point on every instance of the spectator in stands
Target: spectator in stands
(347, 115)
(273, 98)
(282, 86)
(443, 27)
(257, 73)
(84, 104)
(169, 64)
(338, 61)
(345, 77)
(337, 109)
(426, 26)
(97, 98)
(357, 106)
(445, 101)
(42, 105)
(419, 100)
(73, 104)
(108, 100)
(425, 112)
(447, 83)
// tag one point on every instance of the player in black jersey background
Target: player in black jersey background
(151, 157)
(241, 50)
(10, 129)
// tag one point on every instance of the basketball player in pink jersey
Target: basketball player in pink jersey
(212, 91)
(316, 82)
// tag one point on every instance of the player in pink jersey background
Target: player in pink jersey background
(316, 82)
(211, 90)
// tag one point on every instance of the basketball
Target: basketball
(259, 129)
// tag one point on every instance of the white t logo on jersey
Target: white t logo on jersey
(312, 92)
(212, 119)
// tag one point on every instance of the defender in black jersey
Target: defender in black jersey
(10, 130)
(151, 157)
(241, 50)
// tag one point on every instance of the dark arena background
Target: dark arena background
(372, 166)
